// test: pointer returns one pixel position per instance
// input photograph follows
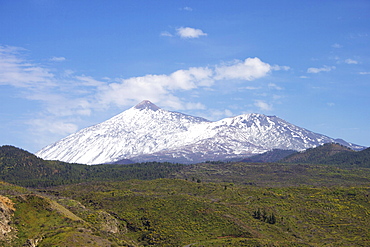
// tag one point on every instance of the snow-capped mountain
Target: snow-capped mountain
(146, 132)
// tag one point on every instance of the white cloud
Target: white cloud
(336, 45)
(250, 69)
(364, 73)
(336, 58)
(318, 70)
(251, 88)
(216, 114)
(66, 98)
(350, 61)
(68, 73)
(17, 72)
(262, 105)
(187, 9)
(69, 94)
(53, 126)
(277, 67)
(47, 129)
(89, 81)
(164, 88)
(60, 96)
(157, 88)
(166, 34)
(193, 106)
(277, 97)
(274, 86)
(57, 59)
(189, 33)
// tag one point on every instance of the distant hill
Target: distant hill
(270, 156)
(359, 158)
(22, 168)
(25, 169)
(331, 153)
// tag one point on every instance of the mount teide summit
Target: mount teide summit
(146, 132)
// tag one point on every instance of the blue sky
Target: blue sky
(66, 65)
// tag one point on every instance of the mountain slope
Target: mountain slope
(146, 133)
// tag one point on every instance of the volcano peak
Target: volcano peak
(146, 104)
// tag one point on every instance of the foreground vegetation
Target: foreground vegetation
(174, 212)
(162, 204)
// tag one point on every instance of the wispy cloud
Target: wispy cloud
(166, 34)
(50, 125)
(57, 59)
(16, 71)
(350, 61)
(216, 114)
(60, 97)
(187, 9)
(322, 69)
(337, 46)
(189, 33)
(262, 105)
(278, 67)
(251, 88)
(274, 86)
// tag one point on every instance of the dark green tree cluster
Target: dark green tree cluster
(262, 215)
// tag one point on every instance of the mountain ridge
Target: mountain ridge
(146, 132)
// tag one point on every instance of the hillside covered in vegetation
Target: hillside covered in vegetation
(173, 212)
(163, 204)
(25, 169)
(331, 154)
